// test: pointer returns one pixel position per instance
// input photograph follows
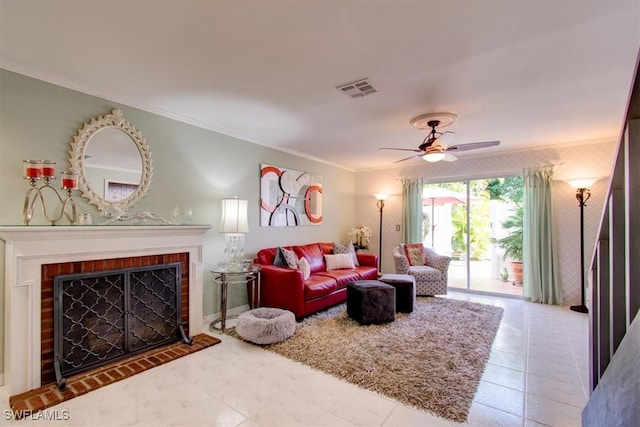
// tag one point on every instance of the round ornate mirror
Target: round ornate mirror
(112, 161)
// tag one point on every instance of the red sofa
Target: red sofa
(285, 288)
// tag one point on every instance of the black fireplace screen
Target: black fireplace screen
(100, 317)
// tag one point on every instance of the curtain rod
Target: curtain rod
(546, 165)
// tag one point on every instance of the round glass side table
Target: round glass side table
(249, 278)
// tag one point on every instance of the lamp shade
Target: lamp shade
(582, 183)
(234, 216)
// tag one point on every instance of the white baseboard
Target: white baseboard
(235, 311)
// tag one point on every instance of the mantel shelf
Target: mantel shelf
(33, 233)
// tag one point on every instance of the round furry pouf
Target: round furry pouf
(266, 325)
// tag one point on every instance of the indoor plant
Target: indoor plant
(360, 235)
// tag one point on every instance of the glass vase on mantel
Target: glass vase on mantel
(182, 213)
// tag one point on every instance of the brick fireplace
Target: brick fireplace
(34, 255)
(50, 271)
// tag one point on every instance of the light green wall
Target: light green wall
(201, 167)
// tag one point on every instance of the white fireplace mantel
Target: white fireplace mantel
(28, 248)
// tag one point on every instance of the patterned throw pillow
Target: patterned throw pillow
(303, 265)
(415, 254)
(346, 249)
(279, 259)
(338, 261)
(290, 257)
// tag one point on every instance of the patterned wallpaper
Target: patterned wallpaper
(588, 160)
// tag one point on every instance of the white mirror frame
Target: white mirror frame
(79, 146)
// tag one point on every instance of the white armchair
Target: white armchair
(431, 279)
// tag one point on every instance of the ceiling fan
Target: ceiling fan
(436, 146)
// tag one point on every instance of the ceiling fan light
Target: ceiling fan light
(433, 157)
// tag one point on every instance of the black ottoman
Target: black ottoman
(405, 285)
(371, 302)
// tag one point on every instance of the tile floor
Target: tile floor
(537, 375)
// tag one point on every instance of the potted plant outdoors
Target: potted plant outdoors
(512, 243)
(504, 275)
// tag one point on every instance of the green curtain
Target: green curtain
(412, 210)
(540, 250)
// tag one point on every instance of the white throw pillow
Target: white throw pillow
(303, 265)
(338, 261)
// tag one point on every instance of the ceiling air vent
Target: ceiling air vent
(358, 89)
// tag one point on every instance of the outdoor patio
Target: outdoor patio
(481, 278)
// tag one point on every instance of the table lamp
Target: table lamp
(234, 225)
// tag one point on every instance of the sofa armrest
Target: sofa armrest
(367, 260)
(282, 287)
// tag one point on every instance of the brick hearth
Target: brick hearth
(41, 398)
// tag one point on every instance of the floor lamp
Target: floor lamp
(380, 198)
(582, 194)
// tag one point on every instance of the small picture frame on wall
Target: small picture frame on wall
(117, 191)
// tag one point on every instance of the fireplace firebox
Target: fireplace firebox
(100, 317)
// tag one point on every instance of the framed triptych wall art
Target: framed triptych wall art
(289, 198)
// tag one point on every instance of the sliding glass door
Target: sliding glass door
(464, 219)
(445, 225)
(486, 262)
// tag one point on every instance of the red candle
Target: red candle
(69, 181)
(32, 169)
(34, 172)
(68, 184)
(48, 169)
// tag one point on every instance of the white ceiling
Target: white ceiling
(528, 72)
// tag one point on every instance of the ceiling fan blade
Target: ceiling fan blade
(446, 138)
(408, 158)
(401, 149)
(448, 157)
(473, 146)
